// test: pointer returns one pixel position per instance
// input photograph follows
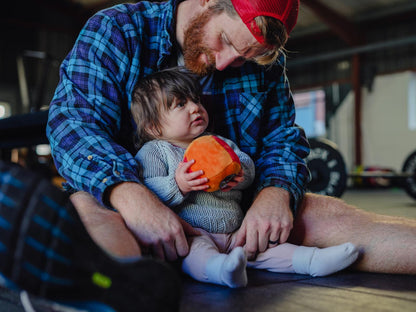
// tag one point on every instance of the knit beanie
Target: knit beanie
(286, 11)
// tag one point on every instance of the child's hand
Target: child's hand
(189, 181)
(234, 181)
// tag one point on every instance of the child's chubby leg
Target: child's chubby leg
(288, 258)
(206, 263)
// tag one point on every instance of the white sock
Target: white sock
(320, 262)
(228, 269)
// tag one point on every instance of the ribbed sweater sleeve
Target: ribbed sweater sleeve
(158, 161)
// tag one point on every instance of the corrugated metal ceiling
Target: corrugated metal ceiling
(352, 10)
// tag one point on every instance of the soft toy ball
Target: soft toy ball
(215, 158)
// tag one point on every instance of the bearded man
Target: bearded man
(236, 47)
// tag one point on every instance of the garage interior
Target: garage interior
(352, 69)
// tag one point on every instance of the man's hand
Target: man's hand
(269, 219)
(189, 181)
(156, 227)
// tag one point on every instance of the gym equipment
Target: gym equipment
(26, 127)
(23, 130)
(327, 167)
(329, 175)
(409, 172)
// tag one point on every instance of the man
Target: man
(90, 128)
(90, 123)
(97, 79)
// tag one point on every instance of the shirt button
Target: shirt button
(89, 157)
(104, 180)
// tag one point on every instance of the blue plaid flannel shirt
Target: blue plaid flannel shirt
(90, 127)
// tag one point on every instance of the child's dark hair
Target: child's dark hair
(156, 92)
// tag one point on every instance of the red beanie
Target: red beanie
(285, 11)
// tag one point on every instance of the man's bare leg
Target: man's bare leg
(387, 244)
(106, 227)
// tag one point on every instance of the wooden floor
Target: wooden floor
(287, 292)
(345, 291)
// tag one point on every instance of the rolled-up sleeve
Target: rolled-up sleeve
(85, 113)
(283, 146)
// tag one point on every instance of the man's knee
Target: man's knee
(321, 218)
(324, 207)
(83, 200)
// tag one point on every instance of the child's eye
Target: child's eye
(179, 104)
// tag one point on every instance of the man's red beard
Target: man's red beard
(193, 46)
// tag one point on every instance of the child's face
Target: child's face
(183, 122)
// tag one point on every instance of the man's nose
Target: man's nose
(224, 58)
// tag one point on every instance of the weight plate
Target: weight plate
(409, 167)
(327, 167)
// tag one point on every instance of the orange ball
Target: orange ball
(215, 158)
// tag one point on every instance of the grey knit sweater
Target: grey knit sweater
(215, 212)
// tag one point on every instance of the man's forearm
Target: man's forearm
(156, 227)
(128, 195)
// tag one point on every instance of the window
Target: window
(310, 112)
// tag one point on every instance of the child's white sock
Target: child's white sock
(320, 262)
(228, 269)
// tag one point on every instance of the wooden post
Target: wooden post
(356, 82)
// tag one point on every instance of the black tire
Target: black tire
(327, 167)
(409, 166)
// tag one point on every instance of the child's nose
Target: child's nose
(194, 107)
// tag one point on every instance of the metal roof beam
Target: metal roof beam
(338, 23)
